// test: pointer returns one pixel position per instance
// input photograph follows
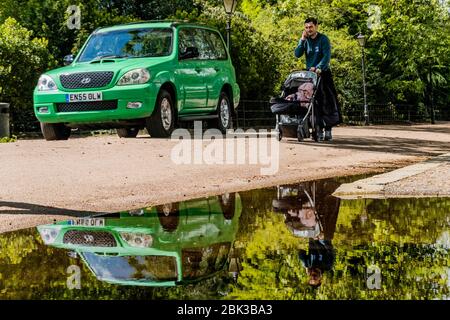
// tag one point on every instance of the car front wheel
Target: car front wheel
(162, 122)
(127, 132)
(55, 131)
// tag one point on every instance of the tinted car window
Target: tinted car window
(185, 40)
(202, 43)
(217, 46)
(209, 44)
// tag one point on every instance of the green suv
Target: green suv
(149, 75)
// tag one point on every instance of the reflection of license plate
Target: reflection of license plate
(84, 96)
(88, 222)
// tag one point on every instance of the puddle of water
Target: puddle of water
(289, 242)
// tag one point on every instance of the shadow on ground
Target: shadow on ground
(28, 208)
(403, 146)
(428, 128)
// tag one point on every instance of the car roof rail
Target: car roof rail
(172, 21)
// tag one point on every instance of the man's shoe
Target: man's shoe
(328, 136)
(320, 136)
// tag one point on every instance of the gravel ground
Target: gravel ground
(434, 182)
(42, 181)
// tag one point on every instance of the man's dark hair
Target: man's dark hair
(311, 19)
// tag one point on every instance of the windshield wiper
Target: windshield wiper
(109, 56)
(152, 55)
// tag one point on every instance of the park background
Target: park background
(407, 51)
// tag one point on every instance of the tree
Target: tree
(22, 59)
(249, 48)
(408, 49)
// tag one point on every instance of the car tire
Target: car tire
(224, 113)
(127, 132)
(169, 216)
(55, 131)
(162, 122)
(227, 203)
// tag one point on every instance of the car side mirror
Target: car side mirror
(68, 59)
(190, 53)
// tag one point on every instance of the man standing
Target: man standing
(316, 46)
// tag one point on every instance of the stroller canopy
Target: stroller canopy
(296, 78)
(290, 86)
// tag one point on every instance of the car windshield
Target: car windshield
(132, 268)
(200, 262)
(133, 43)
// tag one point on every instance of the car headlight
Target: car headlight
(139, 240)
(136, 76)
(49, 235)
(46, 83)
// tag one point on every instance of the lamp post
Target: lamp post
(362, 43)
(230, 7)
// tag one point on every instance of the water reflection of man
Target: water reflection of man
(319, 259)
(311, 212)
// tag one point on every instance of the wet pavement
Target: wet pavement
(290, 242)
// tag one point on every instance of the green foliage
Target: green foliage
(48, 19)
(22, 59)
(404, 74)
(8, 139)
(149, 9)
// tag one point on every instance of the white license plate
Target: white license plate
(84, 96)
(88, 222)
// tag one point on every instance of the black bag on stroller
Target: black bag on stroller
(294, 109)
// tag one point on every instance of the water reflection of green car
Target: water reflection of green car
(157, 246)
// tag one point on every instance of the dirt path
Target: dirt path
(42, 181)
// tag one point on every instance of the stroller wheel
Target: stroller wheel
(280, 135)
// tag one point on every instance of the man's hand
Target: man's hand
(316, 70)
(304, 35)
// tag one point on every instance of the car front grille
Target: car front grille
(89, 238)
(86, 106)
(86, 79)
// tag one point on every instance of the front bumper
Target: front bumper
(145, 93)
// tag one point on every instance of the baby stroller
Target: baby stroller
(294, 109)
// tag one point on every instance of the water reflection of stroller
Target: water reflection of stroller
(298, 203)
(294, 109)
